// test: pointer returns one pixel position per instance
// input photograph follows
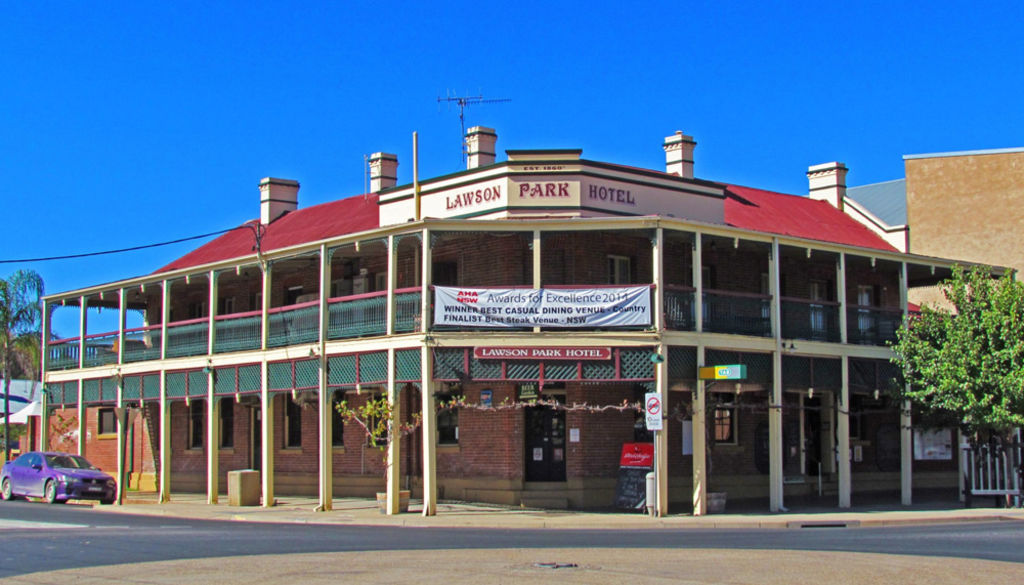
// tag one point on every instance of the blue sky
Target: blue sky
(131, 123)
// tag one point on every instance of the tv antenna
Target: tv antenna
(462, 102)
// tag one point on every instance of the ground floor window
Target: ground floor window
(337, 421)
(227, 422)
(196, 423)
(106, 422)
(292, 423)
(725, 423)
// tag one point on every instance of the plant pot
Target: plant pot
(716, 502)
(403, 501)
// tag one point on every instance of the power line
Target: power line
(118, 251)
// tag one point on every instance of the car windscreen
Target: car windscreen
(68, 462)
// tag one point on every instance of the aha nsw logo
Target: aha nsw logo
(467, 296)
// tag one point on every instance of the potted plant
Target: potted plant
(376, 417)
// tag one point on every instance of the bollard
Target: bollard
(652, 494)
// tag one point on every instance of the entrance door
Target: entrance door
(545, 444)
(256, 438)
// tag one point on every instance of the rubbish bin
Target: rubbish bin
(244, 487)
(652, 493)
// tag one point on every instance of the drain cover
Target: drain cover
(555, 565)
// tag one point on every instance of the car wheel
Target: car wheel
(50, 492)
(5, 490)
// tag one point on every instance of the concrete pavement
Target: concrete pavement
(356, 511)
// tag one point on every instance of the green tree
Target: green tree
(20, 312)
(964, 363)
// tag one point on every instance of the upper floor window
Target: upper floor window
(619, 269)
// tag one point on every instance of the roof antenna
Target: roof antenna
(462, 102)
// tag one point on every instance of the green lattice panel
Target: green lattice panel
(682, 363)
(70, 392)
(341, 370)
(151, 387)
(225, 381)
(280, 376)
(449, 363)
(176, 384)
(827, 373)
(599, 370)
(636, 364)
(249, 379)
(55, 394)
(373, 367)
(407, 365)
(307, 374)
(108, 390)
(796, 372)
(484, 369)
(560, 370)
(523, 370)
(132, 389)
(91, 391)
(198, 384)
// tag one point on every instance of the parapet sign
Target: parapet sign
(732, 372)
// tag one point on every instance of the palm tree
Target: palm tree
(20, 312)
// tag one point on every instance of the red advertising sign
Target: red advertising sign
(637, 455)
(542, 353)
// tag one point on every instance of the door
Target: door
(545, 444)
(256, 438)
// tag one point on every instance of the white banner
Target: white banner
(525, 307)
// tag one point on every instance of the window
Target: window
(619, 270)
(856, 411)
(292, 423)
(226, 306)
(724, 424)
(292, 294)
(106, 422)
(196, 423)
(196, 310)
(227, 423)
(445, 273)
(337, 422)
(447, 422)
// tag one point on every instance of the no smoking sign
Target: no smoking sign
(652, 409)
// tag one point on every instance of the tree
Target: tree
(20, 312)
(965, 363)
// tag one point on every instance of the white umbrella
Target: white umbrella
(21, 417)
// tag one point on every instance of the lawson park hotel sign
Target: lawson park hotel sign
(517, 307)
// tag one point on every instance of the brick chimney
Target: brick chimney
(679, 155)
(480, 149)
(277, 197)
(827, 182)
(383, 171)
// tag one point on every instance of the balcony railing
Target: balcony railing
(811, 320)
(62, 354)
(294, 324)
(872, 325)
(407, 310)
(100, 349)
(736, 312)
(142, 344)
(679, 314)
(186, 338)
(357, 315)
(238, 332)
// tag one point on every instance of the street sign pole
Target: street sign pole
(653, 420)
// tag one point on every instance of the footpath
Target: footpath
(355, 511)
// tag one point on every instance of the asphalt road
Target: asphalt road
(36, 537)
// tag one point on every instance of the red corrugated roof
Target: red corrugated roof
(327, 220)
(793, 215)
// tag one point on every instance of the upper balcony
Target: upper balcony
(819, 293)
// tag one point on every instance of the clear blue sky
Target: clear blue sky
(130, 123)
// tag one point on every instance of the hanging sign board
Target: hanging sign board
(733, 372)
(628, 306)
(652, 411)
(542, 353)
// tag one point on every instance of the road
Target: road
(35, 537)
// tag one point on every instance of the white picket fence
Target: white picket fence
(993, 469)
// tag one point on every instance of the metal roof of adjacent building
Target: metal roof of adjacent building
(887, 200)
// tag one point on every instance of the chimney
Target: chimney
(679, 155)
(827, 182)
(480, 143)
(383, 171)
(277, 197)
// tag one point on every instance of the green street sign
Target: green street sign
(730, 372)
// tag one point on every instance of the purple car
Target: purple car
(57, 478)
